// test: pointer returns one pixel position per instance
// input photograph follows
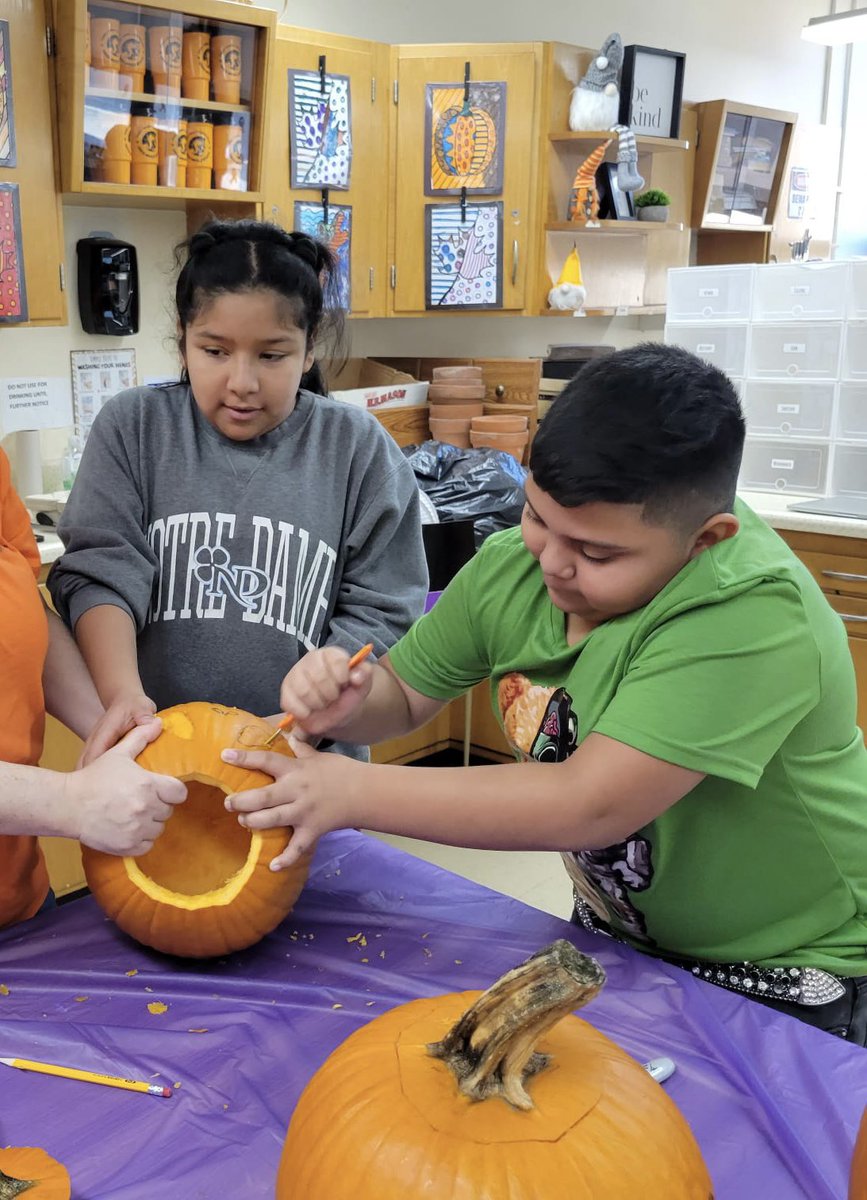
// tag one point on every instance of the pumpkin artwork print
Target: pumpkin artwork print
(464, 138)
(24, 1170)
(499, 1095)
(205, 887)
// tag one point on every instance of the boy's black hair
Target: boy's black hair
(245, 255)
(651, 425)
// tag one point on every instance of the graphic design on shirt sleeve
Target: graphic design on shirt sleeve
(540, 725)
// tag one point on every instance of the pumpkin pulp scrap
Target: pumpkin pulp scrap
(10, 1188)
(491, 1049)
(27, 1169)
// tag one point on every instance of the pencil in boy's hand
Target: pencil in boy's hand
(130, 1085)
(288, 721)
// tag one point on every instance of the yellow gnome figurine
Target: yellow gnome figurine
(569, 291)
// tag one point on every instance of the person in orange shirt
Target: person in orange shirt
(112, 804)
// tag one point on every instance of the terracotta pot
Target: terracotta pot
(513, 443)
(500, 423)
(462, 374)
(455, 412)
(454, 433)
(455, 393)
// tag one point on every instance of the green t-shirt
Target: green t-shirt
(738, 668)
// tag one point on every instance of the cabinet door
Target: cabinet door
(366, 66)
(31, 117)
(518, 66)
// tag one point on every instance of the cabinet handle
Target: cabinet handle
(851, 617)
(845, 575)
(515, 253)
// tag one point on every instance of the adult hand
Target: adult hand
(124, 713)
(119, 807)
(322, 693)
(312, 793)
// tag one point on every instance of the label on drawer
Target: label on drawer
(788, 408)
(794, 348)
(800, 289)
(783, 464)
(705, 348)
(708, 292)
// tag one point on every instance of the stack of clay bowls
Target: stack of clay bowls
(504, 431)
(456, 396)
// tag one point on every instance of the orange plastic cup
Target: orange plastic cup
(226, 68)
(228, 157)
(144, 149)
(87, 54)
(172, 150)
(117, 155)
(200, 153)
(132, 58)
(196, 66)
(104, 51)
(164, 58)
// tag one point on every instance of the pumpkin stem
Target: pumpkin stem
(490, 1050)
(10, 1188)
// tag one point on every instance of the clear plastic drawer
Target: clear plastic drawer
(778, 466)
(800, 291)
(793, 409)
(795, 351)
(710, 293)
(723, 345)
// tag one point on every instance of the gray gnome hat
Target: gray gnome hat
(597, 77)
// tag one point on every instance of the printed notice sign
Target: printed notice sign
(97, 375)
(34, 404)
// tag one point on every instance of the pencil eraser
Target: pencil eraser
(167, 1092)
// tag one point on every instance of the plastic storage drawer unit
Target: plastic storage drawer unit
(723, 345)
(801, 410)
(710, 293)
(855, 351)
(857, 309)
(775, 466)
(795, 351)
(852, 412)
(850, 470)
(797, 291)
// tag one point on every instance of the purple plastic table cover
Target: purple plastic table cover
(774, 1104)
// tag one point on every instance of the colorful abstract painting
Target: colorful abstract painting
(7, 122)
(336, 232)
(464, 256)
(464, 138)
(320, 130)
(13, 297)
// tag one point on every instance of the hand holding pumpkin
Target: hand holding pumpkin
(124, 713)
(322, 692)
(117, 806)
(309, 793)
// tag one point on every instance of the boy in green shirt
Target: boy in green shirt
(680, 692)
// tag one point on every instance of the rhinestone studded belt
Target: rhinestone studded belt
(806, 986)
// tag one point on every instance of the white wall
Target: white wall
(748, 50)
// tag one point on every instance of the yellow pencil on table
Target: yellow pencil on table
(288, 721)
(130, 1085)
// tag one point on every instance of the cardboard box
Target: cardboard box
(374, 386)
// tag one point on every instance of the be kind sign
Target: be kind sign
(651, 89)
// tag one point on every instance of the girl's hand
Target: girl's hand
(124, 713)
(312, 793)
(322, 693)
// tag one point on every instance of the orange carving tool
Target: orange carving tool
(284, 725)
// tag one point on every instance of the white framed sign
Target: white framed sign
(651, 91)
(97, 375)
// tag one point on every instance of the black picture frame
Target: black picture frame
(614, 204)
(649, 118)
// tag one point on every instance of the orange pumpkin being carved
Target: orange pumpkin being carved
(205, 888)
(425, 1101)
(25, 1170)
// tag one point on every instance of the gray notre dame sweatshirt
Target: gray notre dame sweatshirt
(234, 558)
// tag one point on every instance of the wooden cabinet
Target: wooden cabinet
(366, 66)
(163, 104)
(624, 263)
(839, 566)
(31, 117)
(518, 66)
(741, 161)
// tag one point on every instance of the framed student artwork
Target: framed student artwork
(651, 91)
(13, 294)
(464, 255)
(332, 225)
(464, 138)
(614, 203)
(7, 115)
(320, 130)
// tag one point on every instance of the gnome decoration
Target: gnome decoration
(584, 198)
(595, 105)
(569, 292)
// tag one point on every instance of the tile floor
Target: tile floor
(536, 877)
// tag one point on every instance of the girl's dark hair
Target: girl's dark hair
(242, 256)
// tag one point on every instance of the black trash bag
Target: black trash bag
(485, 486)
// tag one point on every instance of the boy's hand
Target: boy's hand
(322, 693)
(124, 713)
(118, 807)
(311, 793)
